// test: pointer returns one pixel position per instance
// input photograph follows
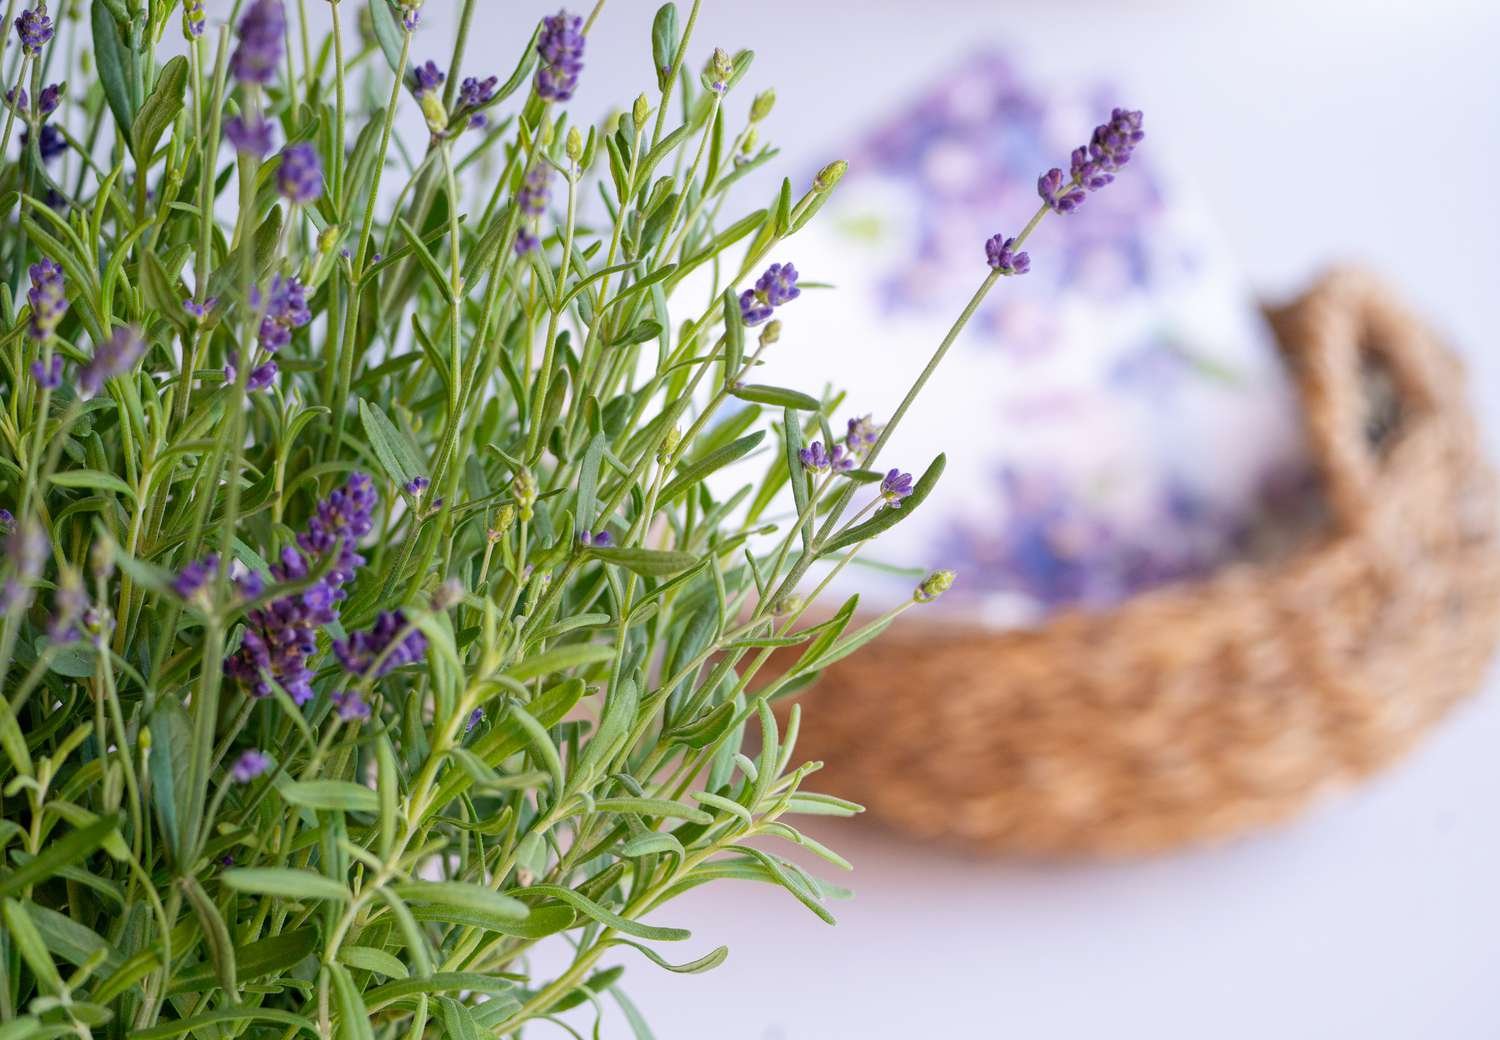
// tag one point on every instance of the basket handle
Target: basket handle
(1328, 338)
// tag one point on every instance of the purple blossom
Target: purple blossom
(895, 487)
(862, 435)
(426, 78)
(1092, 175)
(49, 144)
(561, 48)
(195, 575)
(526, 242)
(113, 357)
(250, 136)
(48, 375)
(17, 99)
(474, 93)
(193, 19)
(26, 550)
(1112, 142)
(597, 540)
(300, 176)
(815, 458)
(249, 765)
(259, 51)
(7, 521)
(534, 192)
(68, 604)
(776, 286)
(339, 522)
(46, 297)
(200, 310)
(389, 641)
(1001, 254)
(34, 28)
(1061, 196)
(259, 378)
(416, 485)
(286, 309)
(351, 705)
(411, 18)
(49, 99)
(475, 718)
(281, 636)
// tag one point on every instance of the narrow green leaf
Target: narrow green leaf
(593, 910)
(650, 563)
(160, 109)
(888, 516)
(116, 65)
(707, 962)
(368, 958)
(777, 395)
(336, 795)
(284, 881)
(94, 480)
(70, 848)
(463, 895)
(690, 475)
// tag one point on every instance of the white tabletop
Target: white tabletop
(1322, 131)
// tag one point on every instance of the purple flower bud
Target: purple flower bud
(250, 137)
(249, 765)
(895, 487)
(259, 51)
(426, 78)
(411, 18)
(259, 378)
(776, 286)
(50, 98)
(46, 297)
(597, 540)
(68, 604)
(285, 309)
(26, 551)
(351, 706)
(195, 576)
(476, 92)
(17, 99)
(815, 458)
(340, 521)
(863, 433)
(113, 357)
(1000, 252)
(1062, 196)
(200, 310)
(1087, 172)
(50, 143)
(48, 376)
(416, 485)
(300, 176)
(532, 197)
(7, 521)
(1112, 142)
(561, 48)
(193, 19)
(475, 718)
(526, 242)
(387, 638)
(34, 28)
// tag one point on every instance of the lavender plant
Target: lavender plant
(368, 616)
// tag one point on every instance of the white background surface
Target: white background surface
(1321, 131)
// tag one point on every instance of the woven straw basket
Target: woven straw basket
(1205, 708)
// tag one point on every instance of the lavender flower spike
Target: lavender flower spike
(48, 376)
(259, 52)
(1001, 254)
(387, 637)
(1060, 196)
(341, 520)
(193, 577)
(863, 433)
(300, 177)
(46, 297)
(249, 136)
(113, 357)
(249, 765)
(475, 93)
(34, 28)
(776, 286)
(561, 49)
(815, 458)
(426, 77)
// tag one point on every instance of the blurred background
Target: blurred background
(1313, 133)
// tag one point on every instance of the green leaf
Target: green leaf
(30, 945)
(335, 795)
(387, 33)
(441, 982)
(707, 962)
(777, 395)
(642, 332)
(560, 659)
(397, 456)
(588, 481)
(216, 934)
(368, 958)
(586, 906)
(649, 563)
(354, 1020)
(161, 109)
(462, 895)
(93, 479)
(734, 337)
(269, 956)
(690, 475)
(653, 807)
(540, 923)
(614, 728)
(888, 516)
(664, 43)
(116, 65)
(197, 1025)
(58, 853)
(284, 881)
